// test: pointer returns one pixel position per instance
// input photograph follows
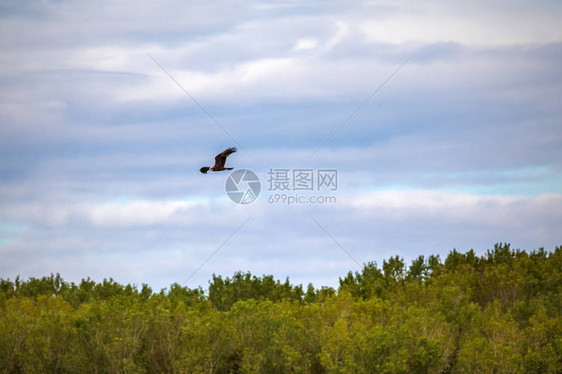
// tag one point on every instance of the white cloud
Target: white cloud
(141, 213)
(466, 23)
(466, 207)
(342, 31)
(485, 26)
(305, 43)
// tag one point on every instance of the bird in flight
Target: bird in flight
(220, 160)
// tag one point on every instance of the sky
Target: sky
(441, 120)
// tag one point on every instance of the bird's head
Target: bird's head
(204, 169)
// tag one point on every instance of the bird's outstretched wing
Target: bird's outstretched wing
(220, 160)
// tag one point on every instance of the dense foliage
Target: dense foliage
(499, 313)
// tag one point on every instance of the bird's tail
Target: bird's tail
(228, 168)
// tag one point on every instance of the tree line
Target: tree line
(495, 313)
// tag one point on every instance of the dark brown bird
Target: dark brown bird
(220, 160)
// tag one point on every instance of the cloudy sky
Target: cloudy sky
(442, 119)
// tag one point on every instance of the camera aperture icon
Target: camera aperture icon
(243, 186)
